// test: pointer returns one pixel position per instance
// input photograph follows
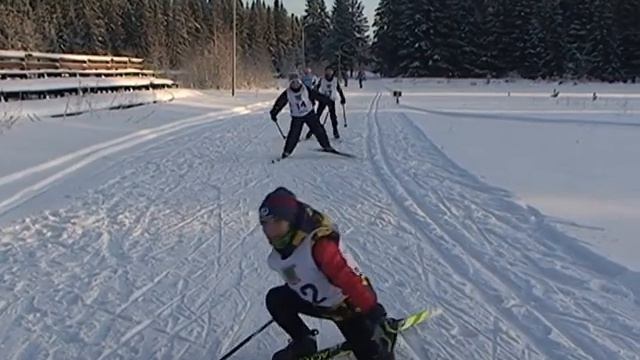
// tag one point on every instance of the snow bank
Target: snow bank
(14, 112)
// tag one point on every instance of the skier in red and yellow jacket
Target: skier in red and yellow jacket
(321, 280)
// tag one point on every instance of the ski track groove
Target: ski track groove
(443, 302)
(383, 167)
(168, 266)
(89, 155)
(496, 275)
(539, 308)
(372, 202)
(223, 254)
(540, 305)
(136, 227)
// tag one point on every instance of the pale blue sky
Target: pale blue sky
(297, 6)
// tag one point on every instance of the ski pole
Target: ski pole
(344, 115)
(245, 341)
(280, 129)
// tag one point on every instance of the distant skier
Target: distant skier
(322, 281)
(361, 77)
(300, 100)
(309, 79)
(329, 86)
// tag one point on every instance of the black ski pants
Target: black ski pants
(293, 136)
(285, 307)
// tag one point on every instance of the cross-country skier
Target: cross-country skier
(309, 79)
(321, 281)
(330, 87)
(300, 100)
(361, 77)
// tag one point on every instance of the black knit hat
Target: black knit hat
(280, 204)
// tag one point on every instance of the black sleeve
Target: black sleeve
(280, 103)
(323, 99)
(342, 99)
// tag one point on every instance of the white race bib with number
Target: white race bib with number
(303, 276)
(329, 88)
(299, 102)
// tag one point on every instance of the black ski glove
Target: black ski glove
(274, 117)
(343, 101)
(382, 332)
(341, 312)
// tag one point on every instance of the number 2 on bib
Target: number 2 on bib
(310, 290)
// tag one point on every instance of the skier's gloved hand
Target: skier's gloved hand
(343, 101)
(382, 332)
(341, 312)
(376, 314)
(274, 117)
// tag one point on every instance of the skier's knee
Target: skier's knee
(276, 298)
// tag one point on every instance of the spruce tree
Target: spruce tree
(627, 28)
(339, 33)
(316, 29)
(389, 33)
(578, 15)
(603, 48)
(90, 28)
(348, 33)
(551, 19)
(282, 35)
(417, 52)
(359, 31)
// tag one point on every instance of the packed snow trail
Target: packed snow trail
(163, 258)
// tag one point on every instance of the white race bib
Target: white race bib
(299, 102)
(302, 275)
(329, 88)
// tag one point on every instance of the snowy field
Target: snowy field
(574, 158)
(13, 113)
(133, 234)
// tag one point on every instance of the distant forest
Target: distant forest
(597, 39)
(194, 36)
(590, 39)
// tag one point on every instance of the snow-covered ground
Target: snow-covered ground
(574, 158)
(15, 113)
(45, 150)
(133, 234)
(52, 84)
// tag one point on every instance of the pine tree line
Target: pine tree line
(339, 36)
(192, 36)
(597, 39)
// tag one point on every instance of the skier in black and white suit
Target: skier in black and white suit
(329, 86)
(301, 99)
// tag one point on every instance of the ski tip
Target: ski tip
(429, 313)
(418, 318)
